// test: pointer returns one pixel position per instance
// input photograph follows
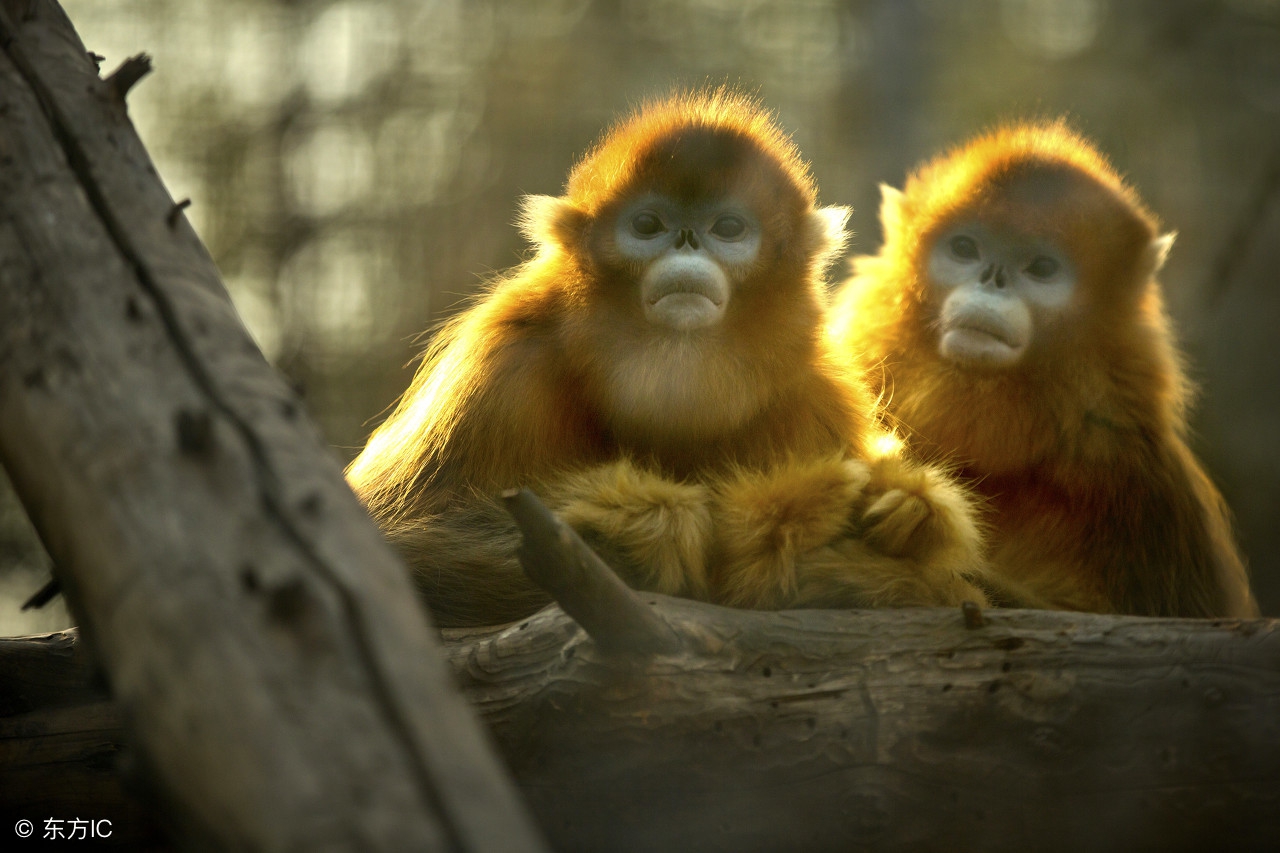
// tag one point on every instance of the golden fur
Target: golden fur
(665, 451)
(1081, 449)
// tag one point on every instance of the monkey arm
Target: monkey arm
(488, 410)
(765, 519)
(653, 531)
(840, 532)
(919, 542)
(1176, 555)
(919, 511)
(492, 407)
(1190, 563)
(526, 421)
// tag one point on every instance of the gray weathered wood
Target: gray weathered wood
(552, 553)
(893, 730)
(264, 645)
(867, 730)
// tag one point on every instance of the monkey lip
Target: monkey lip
(685, 303)
(980, 341)
(985, 327)
(687, 291)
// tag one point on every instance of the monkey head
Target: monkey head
(691, 241)
(1024, 241)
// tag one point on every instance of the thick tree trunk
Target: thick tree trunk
(263, 644)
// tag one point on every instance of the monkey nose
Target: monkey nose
(686, 235)
(996, 272)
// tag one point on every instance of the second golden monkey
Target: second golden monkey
(659, 373)
(1017, 322)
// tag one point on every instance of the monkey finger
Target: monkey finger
(895, 521)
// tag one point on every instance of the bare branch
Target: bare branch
(128, 74)
(588, 590)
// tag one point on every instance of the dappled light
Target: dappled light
(355, 167)
(1053, 29)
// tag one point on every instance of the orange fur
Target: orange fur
(1080, 448)
(516, 388)
(842, 532)
(641, 438)
(656, 529)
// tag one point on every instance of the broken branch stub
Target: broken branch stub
(582, 584)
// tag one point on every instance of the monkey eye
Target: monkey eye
(646, 224)
(729, 227)
(965, 248)
(1042, 267)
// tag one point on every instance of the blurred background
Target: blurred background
(355, 166)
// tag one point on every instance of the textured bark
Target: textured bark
(263, 643)
(822, 730)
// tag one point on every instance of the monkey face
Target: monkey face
(997, 288)
(691, 256)
(691, 247)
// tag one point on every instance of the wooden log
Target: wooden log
(62, 745)
(894, 731)
(264, 645)
(866, 730)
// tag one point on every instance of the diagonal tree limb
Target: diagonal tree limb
(584, 586)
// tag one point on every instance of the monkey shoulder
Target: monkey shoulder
(522, 414)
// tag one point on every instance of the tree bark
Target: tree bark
(893, 730)
(824, 730)
(264, 646)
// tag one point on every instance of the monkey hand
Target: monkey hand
(765, 519)
(653, 531)
(918, 512)
(913, 540)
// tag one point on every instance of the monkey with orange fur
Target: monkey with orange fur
(659, 373)
(1020, 332)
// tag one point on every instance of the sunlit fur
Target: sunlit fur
(640, 437)
(1081, 448)
(842, 532)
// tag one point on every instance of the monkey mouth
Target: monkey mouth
(685, 303)
(979, 326)
(686, 290)
(980, 341)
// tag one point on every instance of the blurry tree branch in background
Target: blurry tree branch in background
(1248, 226)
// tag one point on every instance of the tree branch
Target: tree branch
(557, 559)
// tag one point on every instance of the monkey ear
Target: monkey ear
(1158, 251)
(547, 221)
(829, 228)
(891, 202)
